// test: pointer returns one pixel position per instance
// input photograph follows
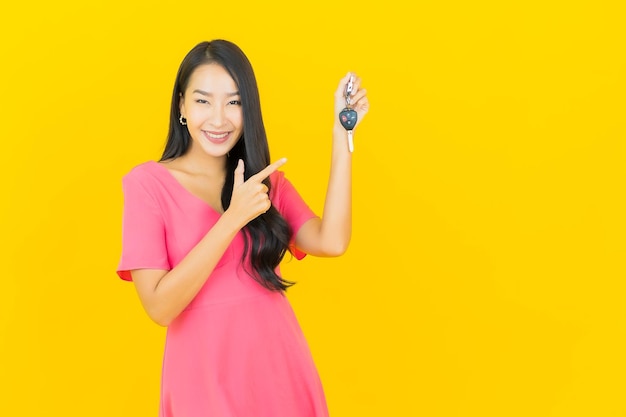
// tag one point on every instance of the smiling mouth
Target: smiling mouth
(216, 138)
(217, 135)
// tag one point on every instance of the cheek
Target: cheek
(235, 114)
(195, 113)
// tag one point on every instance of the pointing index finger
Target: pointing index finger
(268, 170)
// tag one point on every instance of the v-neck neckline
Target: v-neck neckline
(178, 184)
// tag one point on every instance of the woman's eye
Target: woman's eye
(201, 101)
(235, 102)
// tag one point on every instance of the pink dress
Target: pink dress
(237, 349)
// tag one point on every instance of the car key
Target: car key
(348, 117)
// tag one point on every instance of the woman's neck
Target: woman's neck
(201, 163)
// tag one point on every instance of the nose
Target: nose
(217, 116)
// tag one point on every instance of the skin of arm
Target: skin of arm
(330, 235)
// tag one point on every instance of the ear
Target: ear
(181, 104)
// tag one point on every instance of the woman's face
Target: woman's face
(212, 106)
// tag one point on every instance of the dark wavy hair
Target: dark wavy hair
(267, 236)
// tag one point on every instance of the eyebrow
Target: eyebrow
(204, 93)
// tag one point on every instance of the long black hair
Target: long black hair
(267, 236)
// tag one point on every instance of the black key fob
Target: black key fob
(348, 118)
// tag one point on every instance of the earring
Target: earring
(182, 120)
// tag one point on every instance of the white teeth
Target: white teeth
(220, 136)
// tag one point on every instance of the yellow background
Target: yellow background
(486, 273)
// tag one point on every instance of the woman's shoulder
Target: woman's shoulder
(143, 171)
(276, 177)
(278, 181)
(143, 168)
(148, 175)
(281, 187)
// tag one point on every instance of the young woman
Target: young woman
(204, 231)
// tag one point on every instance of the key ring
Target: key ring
(349, 90)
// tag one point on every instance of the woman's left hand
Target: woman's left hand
(358, 98)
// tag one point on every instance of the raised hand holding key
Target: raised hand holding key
(348, 117)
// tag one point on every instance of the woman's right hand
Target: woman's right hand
(250, 198)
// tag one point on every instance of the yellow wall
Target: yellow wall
(485, 277)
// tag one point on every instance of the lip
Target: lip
(216, 137)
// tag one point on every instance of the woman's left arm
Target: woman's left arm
(330, 234)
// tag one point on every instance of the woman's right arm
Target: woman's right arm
(165, 294)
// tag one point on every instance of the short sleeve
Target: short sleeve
(291, 206)
(143, 230)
